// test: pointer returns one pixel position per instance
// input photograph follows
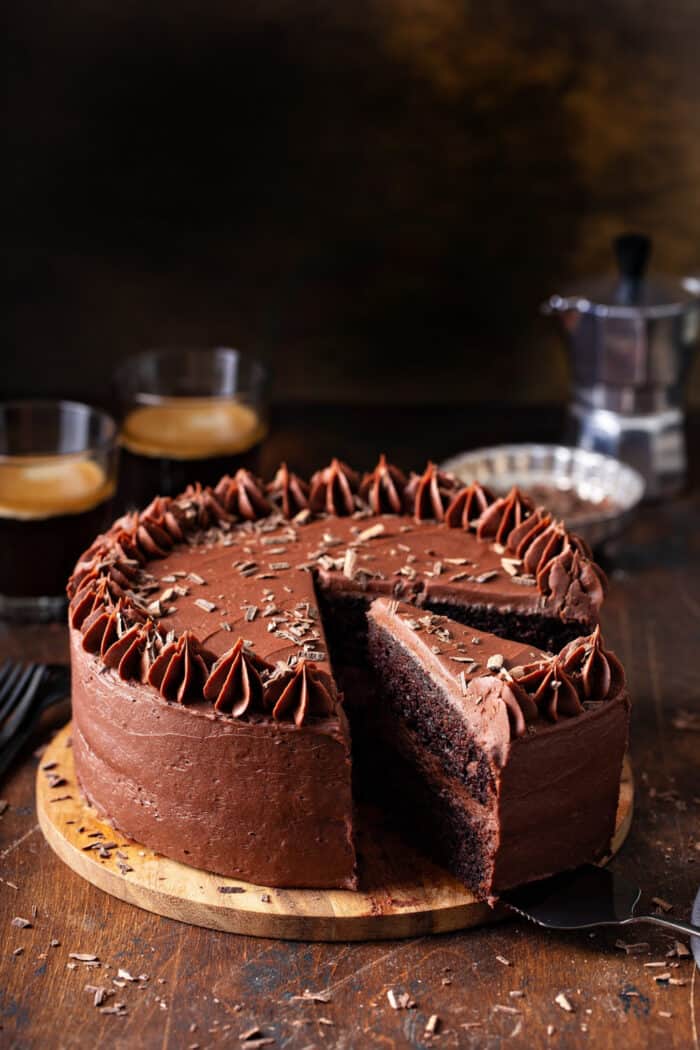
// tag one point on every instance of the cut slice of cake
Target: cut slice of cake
(508, 759)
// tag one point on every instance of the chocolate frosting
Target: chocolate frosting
(520, 705)
(234, 685)
(333, 489)
(506, 514)
(428, 494)
(100, 627)
(288, 492)
(158, 528)
(573, 584)
(468, 506)
(93, 595)
(111, 589)
(122, 539)
(200, 507)
(596, 671)
(128, 655)
(243, 496)
(300, 694)
(179, 671)
(383, 489)
(550, 688)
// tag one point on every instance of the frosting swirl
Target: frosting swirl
(300, 694)
(243, 495)
(383, 489)
(467, 506)
(129, 654)
(158, 528)
(539, 538)
(574, 583)
(179, 671)
(100, 627)
(333, 489)
(550, 688)
(499, 520)
(428, 494)
(95, 594)
(200, 507)
(122, 539)
(288, 491)
(520, 705)
(596, 671)
(234, 685)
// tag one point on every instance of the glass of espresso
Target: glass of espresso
(188, 415)
(58, 470)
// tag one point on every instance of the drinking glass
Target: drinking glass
(58, 471)
(188, 415)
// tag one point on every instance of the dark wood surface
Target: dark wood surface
(206, 988)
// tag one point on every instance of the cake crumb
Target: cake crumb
(562, 1001)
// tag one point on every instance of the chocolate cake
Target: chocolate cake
(212, 636)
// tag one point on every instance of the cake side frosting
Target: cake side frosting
(264, 800)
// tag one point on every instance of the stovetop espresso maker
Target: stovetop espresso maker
(631, 339)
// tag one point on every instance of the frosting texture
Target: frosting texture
(383, 489)
(243, 496)
(466, 508)
(288, 492)
(234, 685)
(548, 687)
(507, 513)
(595, 670)
(333, 489)
(300, 694)
(179, 671)
(429, 494)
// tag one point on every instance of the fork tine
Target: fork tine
(15, 689)
(9, 682)
(24, 698)
(5, 669)
(8, 669)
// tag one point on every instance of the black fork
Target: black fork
(26, 691)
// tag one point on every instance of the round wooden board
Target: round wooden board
(403, 894)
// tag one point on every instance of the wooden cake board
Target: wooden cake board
(403, 894)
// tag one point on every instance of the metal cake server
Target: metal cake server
(588, 896)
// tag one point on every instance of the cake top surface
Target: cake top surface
(213, 594)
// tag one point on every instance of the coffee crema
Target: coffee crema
(192, 428)
(37, 487)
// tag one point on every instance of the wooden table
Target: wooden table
(205, 988)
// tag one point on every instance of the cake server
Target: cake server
(588, 896)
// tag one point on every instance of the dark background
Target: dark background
(374, 196)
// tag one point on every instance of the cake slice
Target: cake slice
(507, 758)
